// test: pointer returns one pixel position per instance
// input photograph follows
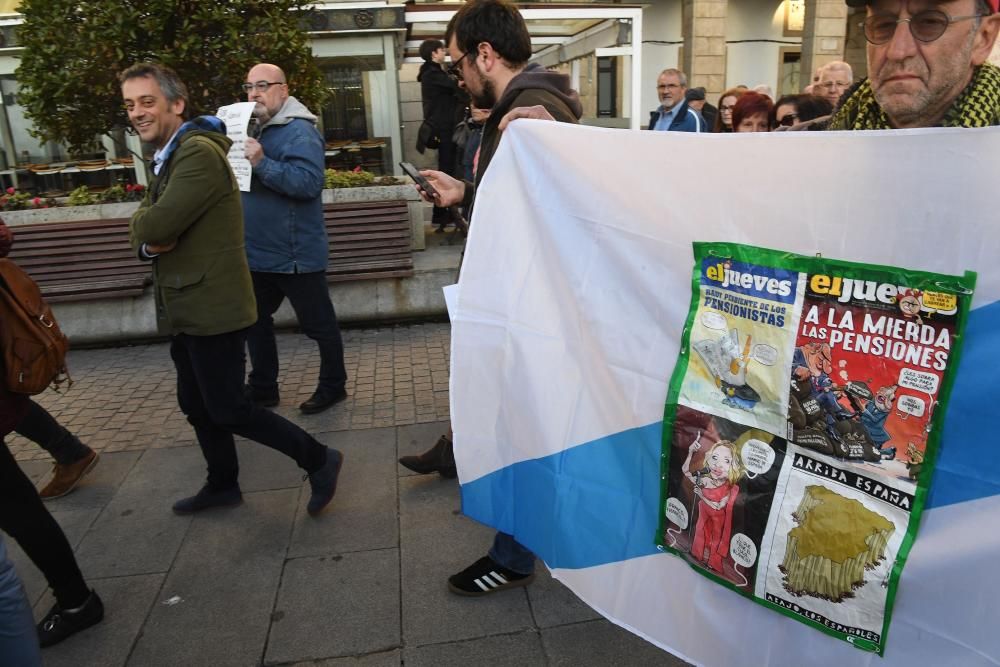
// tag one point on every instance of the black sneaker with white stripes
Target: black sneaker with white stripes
(484, 577)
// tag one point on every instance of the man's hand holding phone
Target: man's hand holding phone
(436, 187)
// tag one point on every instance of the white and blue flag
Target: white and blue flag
(567, 323)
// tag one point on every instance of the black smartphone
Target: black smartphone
(412, 172)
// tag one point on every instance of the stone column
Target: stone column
(824, 34)
(704, 30)
(856, 48)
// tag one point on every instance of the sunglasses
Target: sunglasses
(788, 119)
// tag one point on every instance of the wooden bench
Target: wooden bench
(368, 240)
(92, 259)
(81, 260)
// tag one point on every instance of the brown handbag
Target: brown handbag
(32, 346)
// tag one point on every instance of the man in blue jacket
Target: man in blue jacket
(286, 239)
(674, 114)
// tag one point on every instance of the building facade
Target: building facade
(612, 51)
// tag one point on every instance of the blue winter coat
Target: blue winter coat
(283, 212)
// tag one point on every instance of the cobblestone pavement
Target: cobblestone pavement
(124, 398)
(364, 584)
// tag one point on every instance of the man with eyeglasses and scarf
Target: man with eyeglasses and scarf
(927, 66)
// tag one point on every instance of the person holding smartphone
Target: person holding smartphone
(490, 47)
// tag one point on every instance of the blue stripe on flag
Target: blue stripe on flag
(611, 487)
(601, 508)
(968, 467)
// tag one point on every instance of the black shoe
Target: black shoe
(321, 400)
(484, 577)
(206, 498)
(260, 398)
(59, 623)
(440, 459)
(324, 482)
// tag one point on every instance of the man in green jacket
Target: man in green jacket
(190, 226)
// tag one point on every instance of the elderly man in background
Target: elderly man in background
(834, 79)
(674, 114)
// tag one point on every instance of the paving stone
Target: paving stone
(515, 650)
(602, 643)
(435, 543)
(100, 485)
(226, 576)
(265, 469)
(336, 606)
(553, 604)
(74, 524)
(137, 533)
(363, 514)
(127, 601)
(387, 659)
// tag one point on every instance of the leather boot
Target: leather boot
(440, 459)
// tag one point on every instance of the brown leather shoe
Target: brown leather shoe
(440, 459)
(66, 477)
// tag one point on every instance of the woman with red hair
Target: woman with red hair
(752, 113)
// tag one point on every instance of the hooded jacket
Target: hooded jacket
(283, 212)
(203, 284)
(533, 86)
(439, 94)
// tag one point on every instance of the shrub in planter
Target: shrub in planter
(82, 196)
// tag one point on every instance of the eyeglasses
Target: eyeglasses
(925, 26)
(726, 107)
(455, 69)
(833, 84)
(788, 119)
(262, 86)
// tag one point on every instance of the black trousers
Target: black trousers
(24, 518)
(310, 298)
(210, 376)
(447, 162)
(40, 427)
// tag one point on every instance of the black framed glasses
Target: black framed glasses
(925, 26)
(788, 119)
(261, 86)
(455, 69)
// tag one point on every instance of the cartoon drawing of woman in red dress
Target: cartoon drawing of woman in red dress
(715, 485)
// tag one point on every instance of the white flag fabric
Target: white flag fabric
(567, 323)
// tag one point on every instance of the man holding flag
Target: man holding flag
(489, 46)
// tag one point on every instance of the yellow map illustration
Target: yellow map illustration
(836, 540)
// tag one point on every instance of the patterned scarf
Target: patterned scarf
(977, 106)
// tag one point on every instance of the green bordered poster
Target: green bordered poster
(802, 425)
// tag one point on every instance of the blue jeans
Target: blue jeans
(210, 372)
(508, 552)
(310, 298)
(18, 637)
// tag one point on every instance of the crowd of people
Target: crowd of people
(221, 266)
(742, 109)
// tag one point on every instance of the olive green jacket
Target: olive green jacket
(202, 285)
